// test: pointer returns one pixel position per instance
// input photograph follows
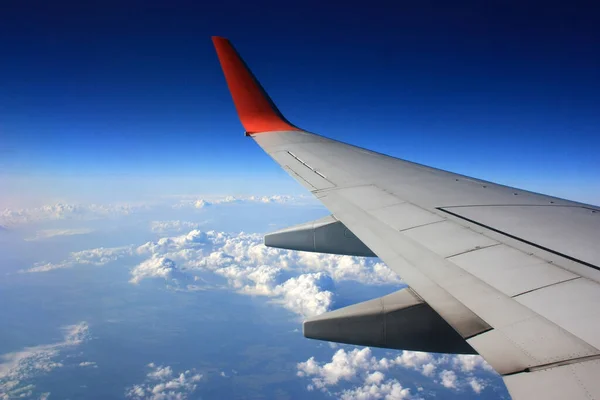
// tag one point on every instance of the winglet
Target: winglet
(255, 108)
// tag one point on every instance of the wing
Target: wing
(512, 274)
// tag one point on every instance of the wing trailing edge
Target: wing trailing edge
(256, 110)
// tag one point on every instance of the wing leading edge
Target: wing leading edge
(515, 274)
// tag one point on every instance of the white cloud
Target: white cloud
(367, 373)
(158, 267)
(162, 383)
(21, 365)
(302, 282)
(213, 250)
(207, 201)
(80, 211)
(202, 203)
(344, 366)
(307, 294)
(97, 257)
(48, 233)
(388, 390)
(476, 384)
(173, 226)
(468, 363)
(448, 379)
(353, 366)
(88, 364)
(417, 360)
(67, 211)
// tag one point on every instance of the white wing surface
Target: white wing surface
(514, 275)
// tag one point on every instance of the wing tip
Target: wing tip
(256, 110)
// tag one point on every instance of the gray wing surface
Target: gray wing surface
(515, 274)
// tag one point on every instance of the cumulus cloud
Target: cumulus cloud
(353, 366)
(476, 384)
(469, 363)
(159, 267)
(448, 378)
(213, 250)
(19, 366)
(388, 390)
(302, 282)
(368, 373)
(307, 294)
(162, 383)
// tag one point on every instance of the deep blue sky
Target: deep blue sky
(499, 90)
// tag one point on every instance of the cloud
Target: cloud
(207, 201)
(22, 365)
(97, 257)
(356, 365)
(88, 364)
(302, 282)
(162, 383)
(159, 267)
(80, 211)
(68, 211)
(173, 226)
(448, 378)
(468, 363)
(307, 294)
(344, 366)
(212, 250)
(368, 373)
(420, 361)
(476, 384)
(389, 390)
(48, 233)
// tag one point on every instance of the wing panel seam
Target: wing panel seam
(558, 253)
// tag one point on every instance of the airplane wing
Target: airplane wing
(506, 273)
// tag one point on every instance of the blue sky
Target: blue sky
(131, 97)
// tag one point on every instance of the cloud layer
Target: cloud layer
(98, 257)
(302, 282)
(20, 366)
(68, 211)
(203, 202)
(49, 233)
(82, 211)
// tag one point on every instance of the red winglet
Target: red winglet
(254, 107)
